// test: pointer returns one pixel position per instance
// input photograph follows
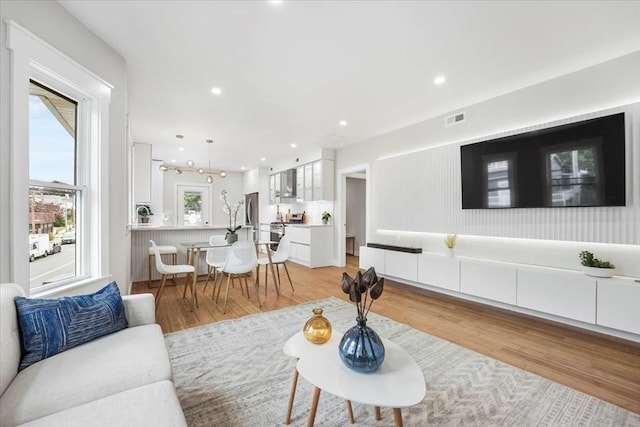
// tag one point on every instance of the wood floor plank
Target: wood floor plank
(601, 366)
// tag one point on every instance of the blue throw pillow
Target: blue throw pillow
(50, 326)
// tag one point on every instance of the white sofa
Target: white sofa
(121, 379)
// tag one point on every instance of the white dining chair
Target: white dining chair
(215, 258)
(278, 258)
(168, 270)
(239, 263)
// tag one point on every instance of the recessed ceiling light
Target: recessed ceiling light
(242, 168)
(275, 1)
(209, 141)
(343, 122)
(216, 90)
(173, 160)
(439, 80)
(292, 145)
(181, 148)
(179, 136)
(263, 159)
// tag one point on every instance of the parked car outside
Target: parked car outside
(69, 237)
(55, 248)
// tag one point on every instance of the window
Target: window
(499, 181)
(193, 204)
(53, 190)
(574, 175)
(58, 210)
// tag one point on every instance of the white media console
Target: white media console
(609, 306)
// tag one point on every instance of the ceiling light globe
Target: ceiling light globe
(200, 171)
(164, 167)
(190, 163)
(178, 171)
(210, 179)
(222, 174)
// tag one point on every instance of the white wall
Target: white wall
(431, 197)
(53, 24)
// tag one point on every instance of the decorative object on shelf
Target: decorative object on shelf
(450, 241)
(144, 212)
(325, 217)
(592, 266)
(361, 349)
(231, 235)
(317, 330)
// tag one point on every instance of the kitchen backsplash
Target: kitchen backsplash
(313, 210)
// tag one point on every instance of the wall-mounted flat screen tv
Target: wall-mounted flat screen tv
(574, 165)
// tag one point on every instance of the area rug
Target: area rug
(234, 373)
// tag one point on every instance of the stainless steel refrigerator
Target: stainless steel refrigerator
(251, 214)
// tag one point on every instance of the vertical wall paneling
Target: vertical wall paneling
(421, 192)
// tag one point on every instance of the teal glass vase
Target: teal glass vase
(361, 349)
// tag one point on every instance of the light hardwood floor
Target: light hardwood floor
(601, 366)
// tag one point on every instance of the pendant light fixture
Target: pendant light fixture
(191, 166)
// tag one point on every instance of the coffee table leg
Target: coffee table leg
(378, 414)
(397, 417)
(314, 407)
(350, 412)
(292, 395)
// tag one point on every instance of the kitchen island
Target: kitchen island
(171, 235)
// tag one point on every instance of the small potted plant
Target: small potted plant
(592, 266)
(325, 217)
(145, 212)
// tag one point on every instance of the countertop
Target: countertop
(289, 224)
(154, 227)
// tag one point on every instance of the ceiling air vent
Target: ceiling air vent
(454, 119)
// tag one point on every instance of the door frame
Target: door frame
(341, 218)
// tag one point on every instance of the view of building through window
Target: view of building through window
(53, 193)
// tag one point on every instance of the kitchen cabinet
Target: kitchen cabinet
(308, 182)
(311, 245)
(314, 181)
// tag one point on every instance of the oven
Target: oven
(277, 231)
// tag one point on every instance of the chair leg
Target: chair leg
(217, 285)
(149, 259)
(159, 294)
(266, 280)
(288, 275)
(244, 278)
(257, 293)
(174, 259)
(226, 296)
(208, 276)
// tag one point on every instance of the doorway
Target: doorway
(354, 213)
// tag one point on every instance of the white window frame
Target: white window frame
(35, 59)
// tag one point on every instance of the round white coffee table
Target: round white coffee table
(399, 383)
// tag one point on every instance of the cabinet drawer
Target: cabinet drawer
(488, 281)
(618, 305)
(562, 295)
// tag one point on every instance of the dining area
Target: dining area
(202, 268)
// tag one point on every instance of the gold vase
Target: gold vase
(317, 329)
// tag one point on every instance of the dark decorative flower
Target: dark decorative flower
(367, 284)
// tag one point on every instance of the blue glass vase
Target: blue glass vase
(361, 349)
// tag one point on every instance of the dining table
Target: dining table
(193, 255)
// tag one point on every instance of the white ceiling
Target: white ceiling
(290, 72)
